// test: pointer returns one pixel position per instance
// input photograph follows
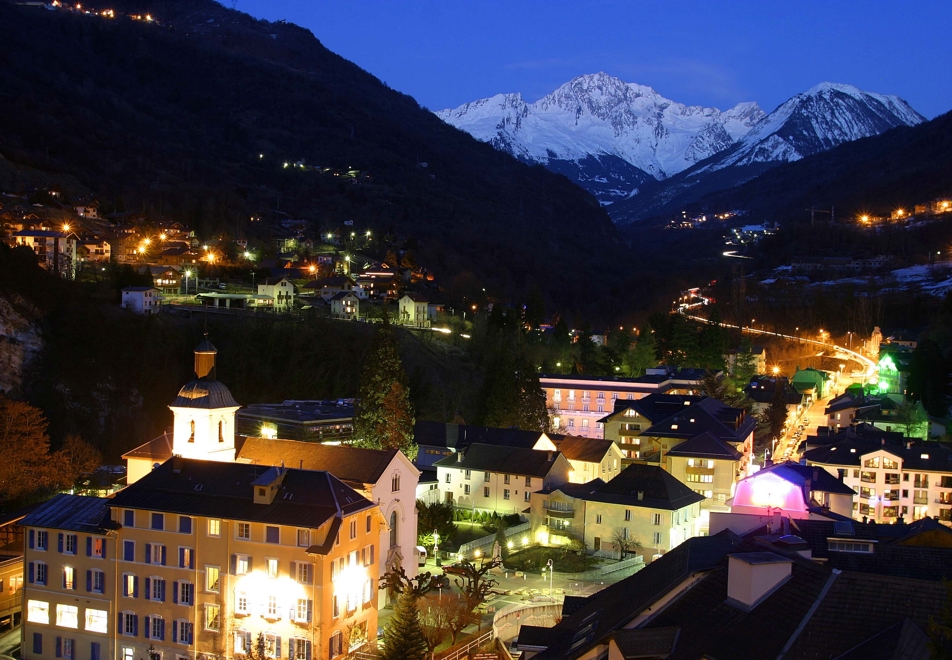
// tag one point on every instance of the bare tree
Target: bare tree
(396, 581)
(435, 619)
(474, 581)
(621, 540)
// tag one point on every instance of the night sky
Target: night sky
(445, 53)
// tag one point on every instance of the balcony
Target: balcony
(559, 513)
(921, 484)
(559, 529)
(920, 500)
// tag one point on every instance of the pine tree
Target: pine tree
(777, 412)
(404, 637)
(383, 415)
(512, 395)
(642, 357)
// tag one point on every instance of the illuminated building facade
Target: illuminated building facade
(793, 491)
(198, 558)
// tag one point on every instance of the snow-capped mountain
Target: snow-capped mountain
(595, 124)
(615, 138)
(811, 122)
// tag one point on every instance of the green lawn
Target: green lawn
(535, 558)
(467, 532)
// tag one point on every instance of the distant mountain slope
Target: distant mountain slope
(594, 121)
(809, 123)
(193, 115)
(875, 175)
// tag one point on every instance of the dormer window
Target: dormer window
(191, 437)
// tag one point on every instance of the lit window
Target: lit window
(38, 611)
(272, 607)
(244, 530)
(96, 620)
(303, 538)
(212, 578)
(302, 609)
(241, 602)
(303, 572)
(129, 585)
(272, 567)
(242, 564)
(67, 616)
(98, 547)
(69, 577)
(214, 527)
(212, 617)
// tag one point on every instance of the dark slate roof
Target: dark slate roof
(458, 436)
(416, 297)
(204, 393)
(646, 642)
(613, 607)
(350, 464)
(509, 460)
(340, 295)
(158, 449)
(138, 288)
(658, 489)
(656, 406)
(271, 281)
(924, 456)
(189, 487)
(901, 641)
(842, 402)
(705, 446)
(75, 513)
(588, 450)
(706, 416)
(862, 431)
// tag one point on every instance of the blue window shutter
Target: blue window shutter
(32, 538)
(129, 550)
(59, 647)
(163, 555)
(30, 575)
(148, 553)
(37, 642)
(162, 590)
(135, 586)
(135, 625)
(59, 542)
(175, 589)
(307, 650)
(234, 564)
(291, 649)
(181, 557)
(89, 546)
(94, 651)
(277, 646)
(191, 636)
(162, 630)
(89, 580)
(64, 579)
(104, 548)
(191, 560)
(125, 588)
(175, 631)
(103, 581)
(148, 588)
(148, 627)
(250, 560)
(310, 610)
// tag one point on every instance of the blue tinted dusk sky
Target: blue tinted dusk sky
(445, 53)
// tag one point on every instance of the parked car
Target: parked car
(454, 569)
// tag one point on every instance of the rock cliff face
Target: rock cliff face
(20, 342)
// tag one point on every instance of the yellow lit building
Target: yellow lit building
(201, 558)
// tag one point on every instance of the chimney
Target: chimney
(268, 484)
(459, 457)
(550, 456)
(641, 495)
(752, 576)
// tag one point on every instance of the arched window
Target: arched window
(221, 435)
(191, 438)
(393, 529)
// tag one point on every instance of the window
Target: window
(154, 553)
(182, 632)
(37, 611)
(303, 570)
(214, 527)
(336, 646)
(242, 564)
(241, 603)
(96, 581)
(528, 496)
(158, 521)
(528, 482)
(656, 519)
(42, 540)
(486, 477)
(272, 567)
(212, 578)
(212, 617)
(272, 534)
(186, 593)
(96, 620)
(69, 577)
(849, 546)
(571, 423)
(300, 649)
(486, 491)
(466, 489)
(185, 525)
(699, 478)
(353, 529)
(186, 558)
(272, 645)
(155, 627)
(37, 642)
(598, 519)
(244, 530)
(97, 547)
(656, 538)
(505, 479)
(302, 611)
(449, 478)
(191, 427)
(393, 529)
(395, 482)
(871, 462)
(272, 611)
(130, 585)
(128, 550)
(368, 523)
(128, 653)
(505, 494)
(627, 515)
(304, 537)
(65, 647)
(155, 588)
(67, 616)
(41, 570)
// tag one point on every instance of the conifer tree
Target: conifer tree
(404, 637)
(512, 395)
(383, 415)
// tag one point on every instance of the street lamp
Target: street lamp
(551, 576)
(188, 274)
(436, 548)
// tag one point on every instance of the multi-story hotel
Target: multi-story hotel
(199, 559)
(577, 403)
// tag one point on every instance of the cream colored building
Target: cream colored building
(708, 466)
(590, 458)
(644, 504)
